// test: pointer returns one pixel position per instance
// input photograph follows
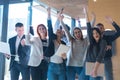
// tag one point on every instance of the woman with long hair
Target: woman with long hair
(75, 58)
(96, 49)
(56, 69)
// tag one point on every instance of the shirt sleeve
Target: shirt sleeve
(102, 51)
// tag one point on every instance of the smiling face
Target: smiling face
(96, 35)
(41, 30)
(77, 33)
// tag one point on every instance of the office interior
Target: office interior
(33, 12)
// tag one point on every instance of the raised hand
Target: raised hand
(86, 14)
(61, 11)
(49, 11)
(78, 19)
(93, 15)
(93, 19)
(31, 30)
(109, 19)
(60, 14)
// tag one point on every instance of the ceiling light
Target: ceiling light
(94, 0)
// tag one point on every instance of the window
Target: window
(83, 26)
(1, 16)
(17, 13)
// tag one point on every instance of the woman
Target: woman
(38, 61)
(96, 49)
(75, 59)
(56, 69)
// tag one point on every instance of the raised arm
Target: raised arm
(57, 24)
(49, 24)
(89, 28)
(65, 28)
(50, 49)
(117, 34)
(115, 25)
(79, 23)
(92, 22)
(28, 39)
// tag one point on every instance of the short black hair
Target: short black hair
(19, 24)
(99, 24)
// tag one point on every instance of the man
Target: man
(109, 39)
(19, 54)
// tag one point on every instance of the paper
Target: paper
(4, 48)
(62, 49)
(90, 66)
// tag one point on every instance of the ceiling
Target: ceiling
(73, 8)
(13, 1)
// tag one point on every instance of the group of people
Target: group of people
(35, 56)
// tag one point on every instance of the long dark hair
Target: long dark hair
(96, 29)
(94, 42)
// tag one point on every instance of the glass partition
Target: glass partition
(17, 13)
(1, 16)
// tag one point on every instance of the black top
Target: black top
(96, 51)
(110, 38)
(23, 52)
(45, 45)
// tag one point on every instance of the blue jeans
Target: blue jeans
(56, 71)
(16, 69)
(96, 78)
(72, 71)
(108, 69)
(83, 76)
(40, 72)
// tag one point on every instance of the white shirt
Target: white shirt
(55, 58)
(17, 45)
